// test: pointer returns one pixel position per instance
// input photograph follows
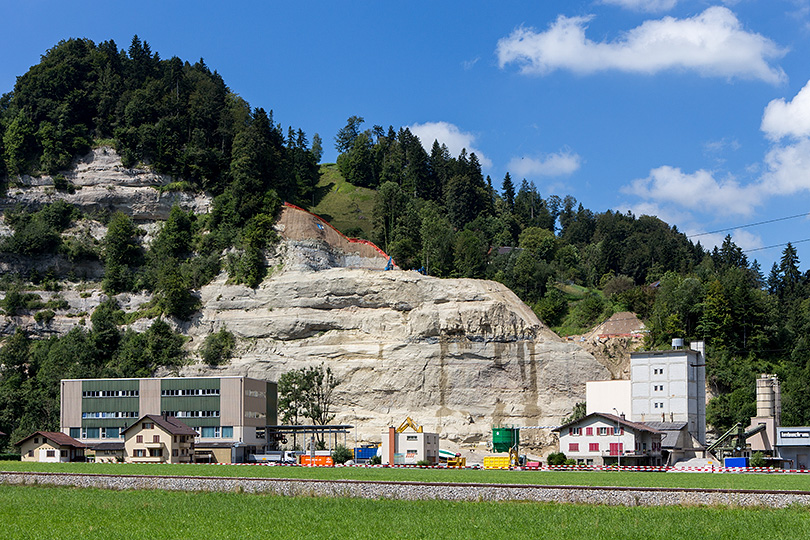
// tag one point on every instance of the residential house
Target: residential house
(51, 446)
(158, 439)
(605, 439)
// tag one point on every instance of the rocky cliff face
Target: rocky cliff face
(457, 355)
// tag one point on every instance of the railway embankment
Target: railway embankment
(614, 496)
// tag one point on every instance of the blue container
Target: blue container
(365, 453)
(735, 462)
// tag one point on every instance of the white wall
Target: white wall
(604, 396)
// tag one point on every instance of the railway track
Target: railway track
(620, 496)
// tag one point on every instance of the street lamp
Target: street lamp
(619, 440)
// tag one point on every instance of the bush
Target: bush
(44, 317)
(375, 460)
(341, 454)
(757, 460)
(10, 457)
(570, 461)
(556, 458)
(423, 463)
(218, 348)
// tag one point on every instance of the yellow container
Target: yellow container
(496, 462)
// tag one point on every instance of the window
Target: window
(589, 431)
(602, 431)
(148, 425)
(227, 432)
(573, 447)
(618, 431)
(174, 452)
(139, 439)
(576, 431)
(30, 453)
(155, 438)
(411, 438)
(139, 452)
(36, 440)
(156, 452)
(63, 453)
(75, 432)
(593, 447)
(50, 453)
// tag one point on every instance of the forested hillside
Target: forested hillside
(432, 211)
(576, 267)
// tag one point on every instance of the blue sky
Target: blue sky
(694, 111)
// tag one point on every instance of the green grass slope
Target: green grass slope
(347, 207)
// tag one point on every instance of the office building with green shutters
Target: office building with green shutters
(229, 414)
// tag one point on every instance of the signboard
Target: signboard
(318, 461)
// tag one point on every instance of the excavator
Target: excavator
(409, 423)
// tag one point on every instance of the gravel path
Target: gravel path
(618, 496)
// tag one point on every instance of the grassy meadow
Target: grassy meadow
(799, 482)
(53, 513)
(343, 205)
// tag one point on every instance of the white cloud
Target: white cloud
(712, 43)
(699, 190)
(788, 169)
(559, 164)
(783, 119)
(650, 6)
(451, 136)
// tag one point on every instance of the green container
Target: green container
(504, 438)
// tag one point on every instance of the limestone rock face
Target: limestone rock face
(457, 355)
(104, 184)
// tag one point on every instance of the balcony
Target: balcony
(153, 445)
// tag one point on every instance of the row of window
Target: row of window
(658, 388)
(144, 452)
(110, 414)
(95, 433)
(658, 371)
(110, 393)
(658, 405)
(254, 414)
(192, 414)
(255, 393)
(191, 392)
(599, 431)
(215, 432)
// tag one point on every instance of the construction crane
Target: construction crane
(409, 423)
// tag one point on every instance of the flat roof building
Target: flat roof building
(225, 412)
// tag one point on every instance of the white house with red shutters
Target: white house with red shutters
(605, 439)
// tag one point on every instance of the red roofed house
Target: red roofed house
(51, 446)
(158, 439)
(605, 439)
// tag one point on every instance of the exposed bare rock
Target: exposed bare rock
(104, 184)
(457, 355)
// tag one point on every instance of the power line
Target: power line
(751, 225)
(776, 245)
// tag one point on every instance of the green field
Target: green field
(37, 512)
(590, 478)
(343, 205)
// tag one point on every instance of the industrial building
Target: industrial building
(666, 393)
(670, 386)
(228, 414)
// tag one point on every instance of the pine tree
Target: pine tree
(508, 191)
